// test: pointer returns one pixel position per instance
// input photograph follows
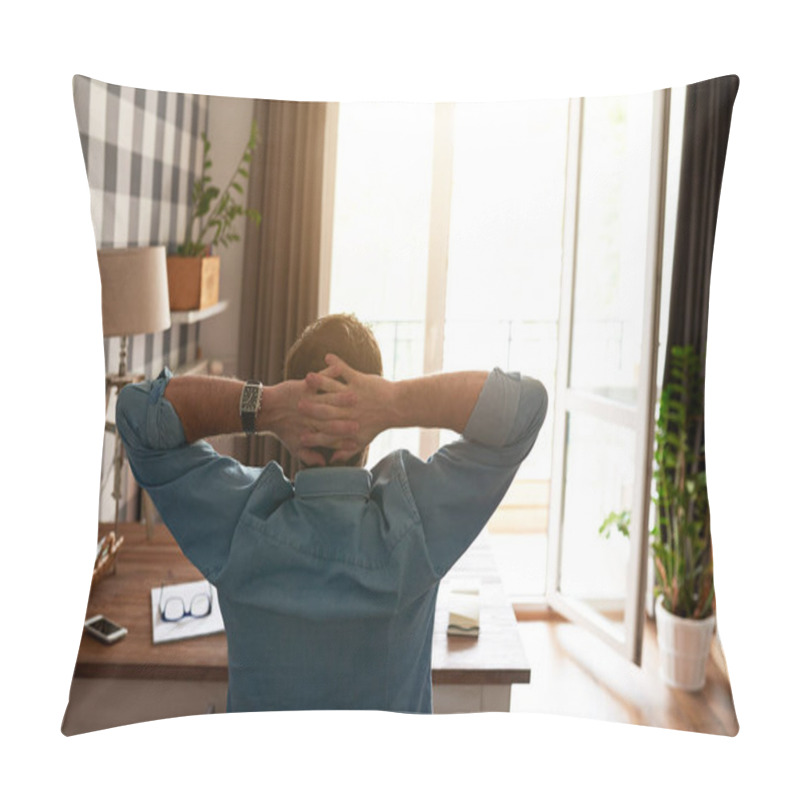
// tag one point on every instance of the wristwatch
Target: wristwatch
(250, 405)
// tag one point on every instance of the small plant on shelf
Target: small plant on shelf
(215, 211)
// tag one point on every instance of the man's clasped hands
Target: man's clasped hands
(339, 409)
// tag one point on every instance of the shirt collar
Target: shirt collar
(333, 481)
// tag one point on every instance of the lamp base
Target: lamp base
(118, 382)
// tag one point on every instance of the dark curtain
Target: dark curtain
(707, 123)
(280, 284)
(705, 140)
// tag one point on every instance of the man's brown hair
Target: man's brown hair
(346, 337)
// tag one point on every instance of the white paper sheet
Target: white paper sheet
(188, 627)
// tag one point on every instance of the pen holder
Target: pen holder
(106, 561)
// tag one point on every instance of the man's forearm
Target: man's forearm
(206, 406)
(437, 401)
(209, 406)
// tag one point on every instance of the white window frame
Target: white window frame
(626, 639)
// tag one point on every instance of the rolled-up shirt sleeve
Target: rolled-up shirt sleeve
(508, 415)
(458, 489)
(199, 493)
(146, 420)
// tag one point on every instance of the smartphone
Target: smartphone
(104, 629)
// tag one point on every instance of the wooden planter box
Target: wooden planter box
(193, 282)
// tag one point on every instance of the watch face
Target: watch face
(250, 398)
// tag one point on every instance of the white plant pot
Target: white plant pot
(683, 646)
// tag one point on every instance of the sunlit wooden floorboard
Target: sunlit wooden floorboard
(575, 674)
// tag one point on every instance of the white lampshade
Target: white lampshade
(135, 290)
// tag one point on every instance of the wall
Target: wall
(229, 121)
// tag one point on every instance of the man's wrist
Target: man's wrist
(265, 421)
(400, 405)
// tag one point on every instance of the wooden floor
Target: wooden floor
(575, 674)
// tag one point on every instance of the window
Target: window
(380, 235)
(501, 274)
(491, 179)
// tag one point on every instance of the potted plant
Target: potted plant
(193, 271)
(680, 538)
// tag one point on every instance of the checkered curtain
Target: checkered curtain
(142, 150)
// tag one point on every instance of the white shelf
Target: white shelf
(197, 315)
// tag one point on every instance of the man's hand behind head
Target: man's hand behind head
(290, 423)
(339, 395)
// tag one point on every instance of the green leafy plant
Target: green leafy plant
(616, 520)
(680, 538)
(215, 211)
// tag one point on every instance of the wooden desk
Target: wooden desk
(467, 674)
(125, 598)
(477, 674)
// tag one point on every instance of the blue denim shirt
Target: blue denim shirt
(327, 586)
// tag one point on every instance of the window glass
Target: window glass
(380, 234)
(611, 245)
(503, 288)
(599, 479)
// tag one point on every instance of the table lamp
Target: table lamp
(135, 297)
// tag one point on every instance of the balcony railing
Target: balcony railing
(527, 345)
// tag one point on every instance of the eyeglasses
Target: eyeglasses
(174, 609)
